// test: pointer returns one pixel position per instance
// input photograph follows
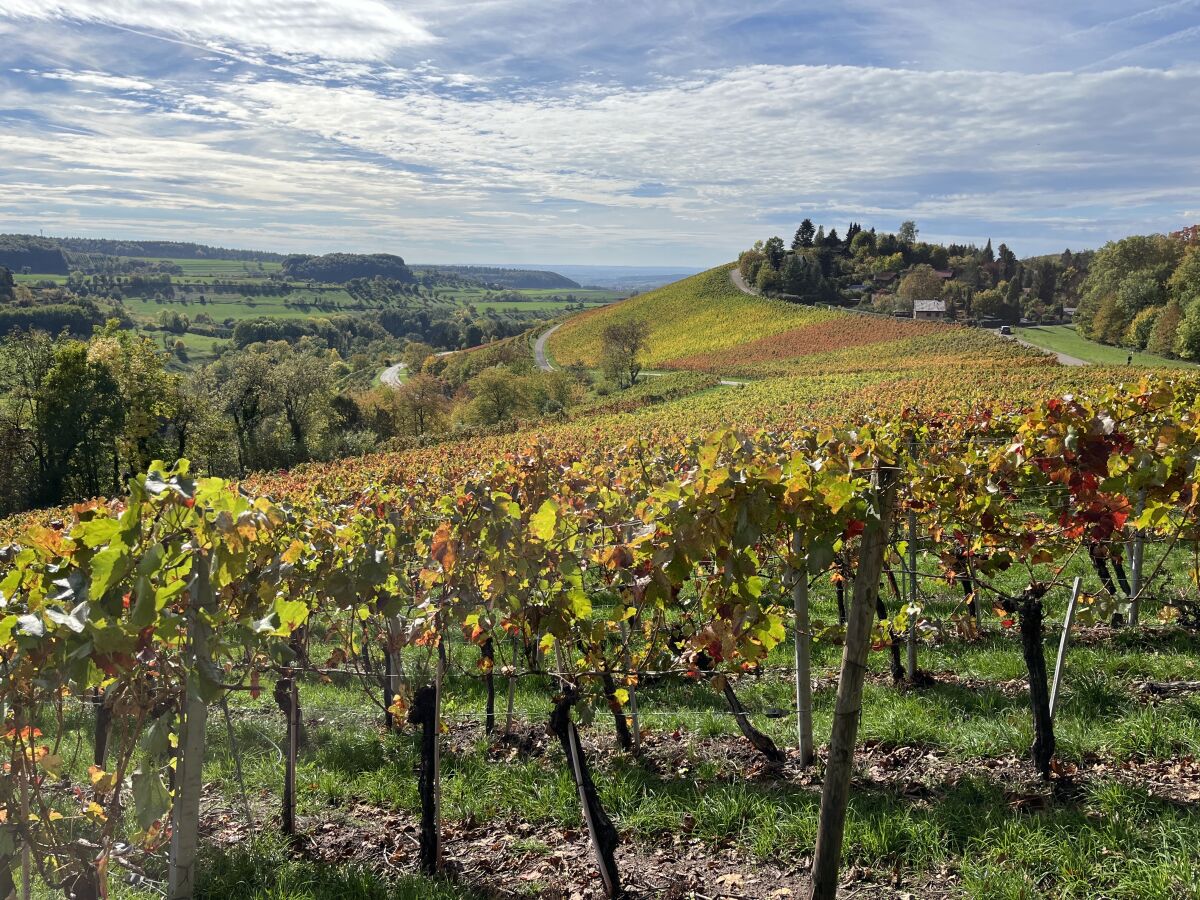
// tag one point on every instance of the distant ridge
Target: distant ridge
(146, 249)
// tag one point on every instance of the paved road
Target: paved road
(740, 283)
(391, 375)
(539, 349)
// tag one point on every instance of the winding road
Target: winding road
(391, 375)
(740, 283)
(539, 349)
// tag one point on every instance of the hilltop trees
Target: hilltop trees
(341, 267)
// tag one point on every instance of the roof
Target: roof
(938, 306)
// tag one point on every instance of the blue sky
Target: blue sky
(668, 133)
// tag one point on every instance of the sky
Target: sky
(609, 132)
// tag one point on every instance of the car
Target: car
(1005, 329)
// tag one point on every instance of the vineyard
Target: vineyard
(915, 616)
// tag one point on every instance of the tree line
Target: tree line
(1143, 293)
(892, 271)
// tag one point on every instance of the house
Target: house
(944, 274)
(929, 310)
(883, 278)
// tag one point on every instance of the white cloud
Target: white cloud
(339, 29)
(592, 172)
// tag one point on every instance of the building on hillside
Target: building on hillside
(884, 278)
(934, 310)
(944, 274)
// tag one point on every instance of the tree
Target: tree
(804, 235)
(78, 418)
(832, 241)
(1109, 323)
(922, 283)
(769, 280)
(1134, 271)
(496, 396)
(422, 404)
(1137, 335)
(1184, 283)
(415, 354)
(907, 234)
(774, 251)
(146, 390)
(300, 383)
(243, 384)
(863, 244)
(1166, 326)
(987, 256)
(1187, 338)
(622, 346)
(8, 286)
(989, 304)
(749, 262)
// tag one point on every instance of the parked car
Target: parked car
(1005, 329)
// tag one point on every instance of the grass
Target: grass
(1065, 339)
(225, 268)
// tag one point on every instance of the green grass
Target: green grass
(1065, 339)
(31, 279)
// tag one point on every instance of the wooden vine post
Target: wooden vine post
(602, 833)
(803, 637)
(185, 834)
(835, 792)
(1031, 613)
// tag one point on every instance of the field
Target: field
(636, 561)
(225, 268)
(1064, 339)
